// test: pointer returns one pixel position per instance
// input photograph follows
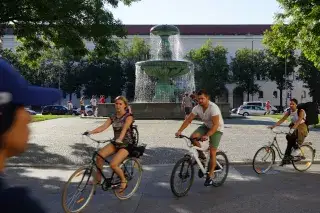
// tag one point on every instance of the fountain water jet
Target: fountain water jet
(166, 75)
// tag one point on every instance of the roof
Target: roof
(205, 29)
(257, 29)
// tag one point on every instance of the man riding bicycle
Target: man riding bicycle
(212, 128)
(299, 127)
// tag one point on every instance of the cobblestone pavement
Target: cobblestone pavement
(59, 141)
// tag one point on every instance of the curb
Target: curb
(72, 167)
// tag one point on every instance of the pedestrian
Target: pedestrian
(93, 102)
(82, 107)
(70, 107)
(186, 105)
(15, 93)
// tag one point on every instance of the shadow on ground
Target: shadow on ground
(36, 154)
(158, 155)
(279, 191)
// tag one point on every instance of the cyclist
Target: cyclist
(122, 147)
(15, 93)
(212, 128)
(298, 130)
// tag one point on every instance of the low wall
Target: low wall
(156, 110)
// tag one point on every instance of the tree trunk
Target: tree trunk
(281, 104)
(248, 96)
(70, 96)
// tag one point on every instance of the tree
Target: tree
(310, 75)
(246, 66)
(44, 24)
(211, 67)
(298, 27)
(279, 69)
(104, 77)
(139, 50)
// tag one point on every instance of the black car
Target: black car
(55, 110)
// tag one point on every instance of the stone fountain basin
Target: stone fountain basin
(164, 69)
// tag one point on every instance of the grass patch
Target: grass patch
(37, 118)
(279, 116)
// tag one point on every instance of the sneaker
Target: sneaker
(295, 153)
(208, 181)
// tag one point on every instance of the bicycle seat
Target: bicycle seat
(134, 125)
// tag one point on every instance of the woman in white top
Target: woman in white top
(300, 129)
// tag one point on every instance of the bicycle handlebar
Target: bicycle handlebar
(99, 141)
(279, 132)
(190, 139)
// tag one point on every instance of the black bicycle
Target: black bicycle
(85, 178)
(265, 156)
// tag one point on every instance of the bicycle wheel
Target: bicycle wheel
(135, 134)
(222, 173)
(132, 170)
(263, 160)
(305, 160)
(79, 179)
(182, 166)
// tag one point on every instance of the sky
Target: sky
(197, 12)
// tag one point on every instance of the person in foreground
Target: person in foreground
(15, 93)
(122, 146)
(299, 128)
(212, 128)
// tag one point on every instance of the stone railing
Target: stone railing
(156, 110)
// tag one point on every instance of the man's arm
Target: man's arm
(301, 116)
(186, 122)
(215, 126)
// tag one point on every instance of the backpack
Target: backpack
(311, 110)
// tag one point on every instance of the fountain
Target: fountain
(163, 72)
(162, 80)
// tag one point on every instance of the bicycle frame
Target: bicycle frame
(275, 144)
(194, 155)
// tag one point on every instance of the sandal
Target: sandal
(121, 189)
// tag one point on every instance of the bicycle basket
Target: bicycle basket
(138, 150)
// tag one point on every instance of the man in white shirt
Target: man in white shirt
(211, 129)
(186, 105)
(93, 102)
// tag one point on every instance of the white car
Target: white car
(262, 105)
(246, 110)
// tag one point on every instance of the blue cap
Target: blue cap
(15, 89)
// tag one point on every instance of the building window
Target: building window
(275, 94)
(260, 94)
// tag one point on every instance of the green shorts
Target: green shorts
(214, 139)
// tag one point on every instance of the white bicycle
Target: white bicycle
(184, 168)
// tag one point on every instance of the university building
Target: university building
(232, 37)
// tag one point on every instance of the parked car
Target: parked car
(88, 110)
(246, 110)
(31, 112)
(55, 110)
(262, 105)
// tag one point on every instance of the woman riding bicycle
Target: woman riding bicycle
(122, 146)
(300, 130)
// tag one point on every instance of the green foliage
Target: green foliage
(246, 66)
(211, 67)
(298, 27)
(310, 75)
(42, 24)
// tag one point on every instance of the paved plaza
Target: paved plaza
(58, 147)
(59, 141)
(283, 190)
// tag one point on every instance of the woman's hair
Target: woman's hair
(294, 100)
(122, 98)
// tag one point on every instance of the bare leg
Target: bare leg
(213, 152)
(197, 143)
(114, 164)
(104, 152)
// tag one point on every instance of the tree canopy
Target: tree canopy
(211, 67)
(297, 27)
(43, 24)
